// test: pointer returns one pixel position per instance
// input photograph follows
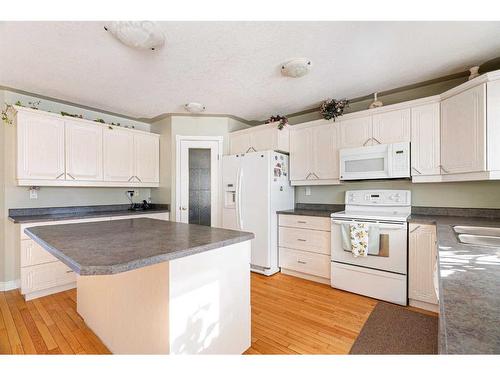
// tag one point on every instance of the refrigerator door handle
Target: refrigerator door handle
(238, 198)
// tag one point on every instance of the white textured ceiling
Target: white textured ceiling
(233, 67)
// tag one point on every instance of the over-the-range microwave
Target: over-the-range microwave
(375, 162)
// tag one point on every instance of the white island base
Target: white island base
(191, 305)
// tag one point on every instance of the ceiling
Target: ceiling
(234, 67)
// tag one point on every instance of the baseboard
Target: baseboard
(9, 285)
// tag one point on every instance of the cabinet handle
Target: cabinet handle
(301, 239)
(308, 175)
(301, 222)
(131, 177)
(138, 178)
(69, 174)
(443, 169)
(301, 262)
(416, 170)
(250, 149)
(376, 140)
(317, 178)
(62, 174)
(368, 140)
(70, 271)
(414, 229)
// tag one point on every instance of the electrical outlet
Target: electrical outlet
(308, 190)
(33, 194)
(136, 193)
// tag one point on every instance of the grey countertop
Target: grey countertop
(311, 209)
(37, 215)
(110, 247)
(469, 285)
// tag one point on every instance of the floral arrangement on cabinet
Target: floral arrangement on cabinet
(281, 120)
(333, 108)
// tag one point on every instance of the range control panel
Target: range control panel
(378, 197)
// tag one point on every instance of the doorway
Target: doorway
(197, 176)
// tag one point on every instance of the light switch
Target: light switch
(308, 190)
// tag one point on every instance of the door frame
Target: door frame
(215, 214)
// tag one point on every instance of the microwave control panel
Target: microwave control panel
(400, 159)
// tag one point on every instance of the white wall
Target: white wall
(13, 196)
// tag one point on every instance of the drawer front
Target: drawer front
(306, 222)
(315, 241)
(24, 236)
(44, 276)
(33, 254)
(301, 261)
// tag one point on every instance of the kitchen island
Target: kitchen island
(149, 286)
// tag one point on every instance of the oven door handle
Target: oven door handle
(381, 224)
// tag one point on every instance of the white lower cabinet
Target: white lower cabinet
(41, 272)
(422, 263)
(304, 247)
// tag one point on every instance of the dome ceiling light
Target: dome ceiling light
(296, 68)
(194, 107)
(137, 34)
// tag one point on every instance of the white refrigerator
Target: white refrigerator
(256, 185)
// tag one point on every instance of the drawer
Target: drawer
(316, 241)
(24, 236)
(306, 222)
(44, 276)
(33, 254)
(305, 262)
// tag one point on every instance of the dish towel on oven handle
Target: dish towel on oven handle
(361, 239)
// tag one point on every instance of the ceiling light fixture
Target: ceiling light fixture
(296, 68)
(137, 34)
(194, 107)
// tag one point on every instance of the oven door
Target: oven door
(363, 163)
(392, 254)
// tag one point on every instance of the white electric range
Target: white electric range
(382, 276)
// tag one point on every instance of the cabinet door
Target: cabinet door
(422, 259)
(425, 136)
(147, 157)
(83, 151)
(239, 143)
(264, 139)
(325, 151)
(300, 154)
(118, 148)
(44, 276)
(392, 127)
(40, 147)
(356, 132)
(463, 132)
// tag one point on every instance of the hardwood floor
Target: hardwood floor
(289, 316)
(47, 325)
(296, 316)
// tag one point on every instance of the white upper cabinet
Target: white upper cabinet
(83, 151)
(118, 146)
(146, 157)
(325, 151)
(259, 138)
(356, 132)
(425, 141)
(314, 153)
(391, 127)
(239, 143)
(300, 154)
(40, 147)
(463, 131)
(53, 150)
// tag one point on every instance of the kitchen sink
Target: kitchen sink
(473, 239)
(480, 231)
